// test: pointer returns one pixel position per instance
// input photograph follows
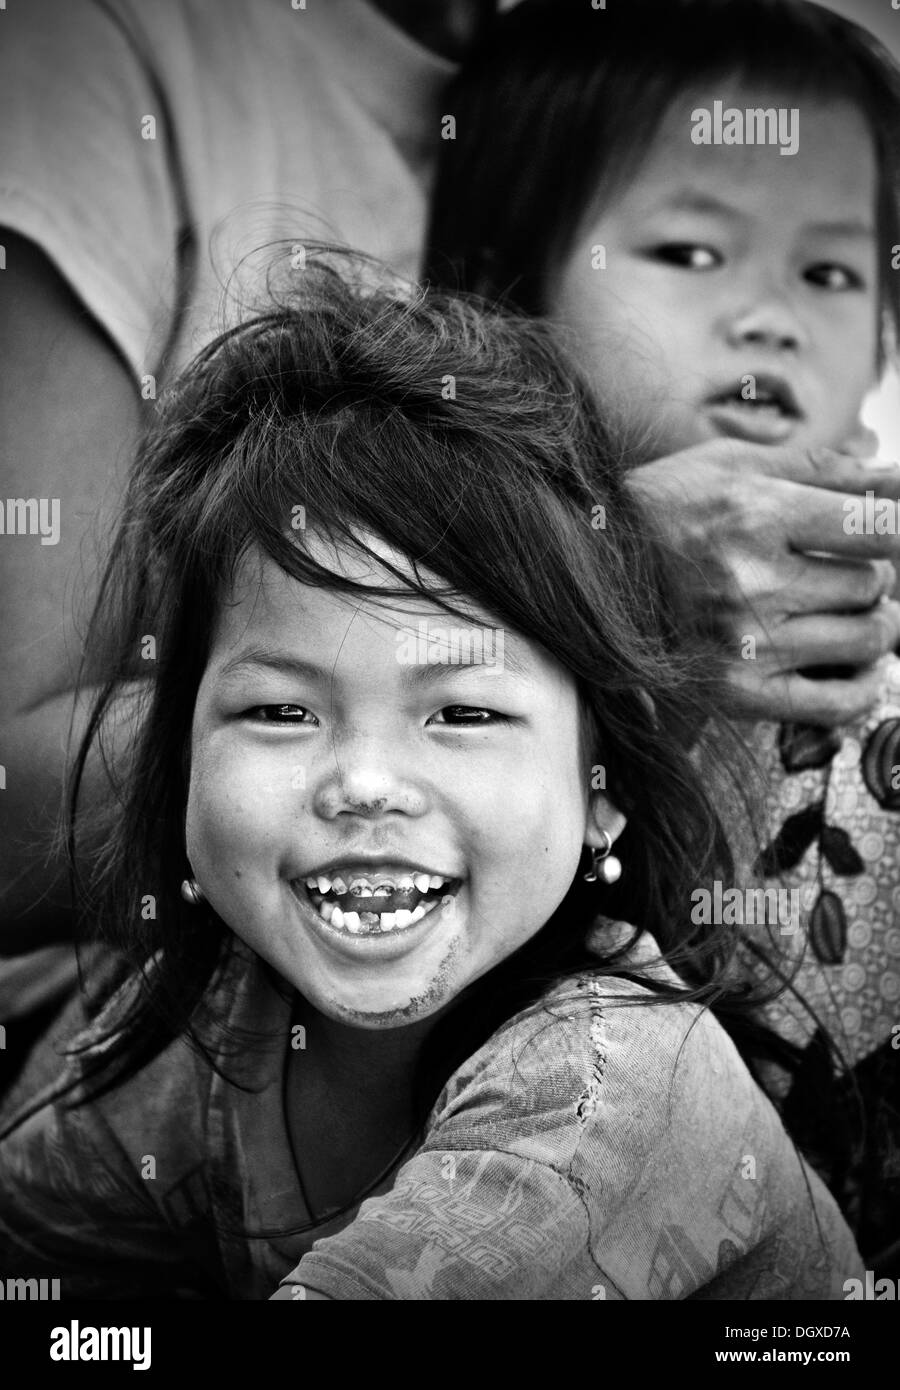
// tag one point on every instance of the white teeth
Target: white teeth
(362, 887)
(375, 922)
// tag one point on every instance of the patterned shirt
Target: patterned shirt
(588, 1150)
(833, 852)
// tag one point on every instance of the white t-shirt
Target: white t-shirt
(146, 147)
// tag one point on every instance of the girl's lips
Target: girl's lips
(759, 424)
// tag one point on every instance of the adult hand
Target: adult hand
(774, 569)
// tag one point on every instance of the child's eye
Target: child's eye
(279, 714)
(834, 277)
(468, 715)
(690, 255)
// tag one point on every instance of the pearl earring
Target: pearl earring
(192, 892)
(604, 866)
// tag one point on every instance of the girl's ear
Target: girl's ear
(602, 817)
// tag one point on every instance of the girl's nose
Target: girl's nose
(368, 781)
(771, 322)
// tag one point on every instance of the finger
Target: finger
(818, 468)
(823, 639)
(815, 584)
(797, 698)
(816, 520)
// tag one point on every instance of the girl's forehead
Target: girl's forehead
(269, 611)
(264, 597)
(764, 150)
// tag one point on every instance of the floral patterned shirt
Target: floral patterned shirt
(834, 820)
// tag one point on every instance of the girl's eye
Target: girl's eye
(834, 277)
(468, 715)
(689, 255)
(279, 714)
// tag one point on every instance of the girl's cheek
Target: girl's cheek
(234, 793)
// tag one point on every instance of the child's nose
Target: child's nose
(772, 323)
(366, 780)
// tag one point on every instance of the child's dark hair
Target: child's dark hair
(338, 400)
(558, 106)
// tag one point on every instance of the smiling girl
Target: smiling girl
(388, 1035)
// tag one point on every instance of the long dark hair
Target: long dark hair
(462, 438)
(560, 103)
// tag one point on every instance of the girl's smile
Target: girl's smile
(381, 832)
(375, 898)
(373, 935)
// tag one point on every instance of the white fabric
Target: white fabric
(271, 122)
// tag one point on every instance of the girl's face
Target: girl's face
(739, 295)
(336, 770)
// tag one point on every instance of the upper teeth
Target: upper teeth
(760, 398)
(363, 887)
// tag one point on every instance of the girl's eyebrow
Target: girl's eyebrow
(284, 663)
(850, 226)
(690, 200)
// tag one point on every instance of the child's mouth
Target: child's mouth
(768, 416)
(367, 904)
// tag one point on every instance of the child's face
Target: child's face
(734, 269)
(380, 770)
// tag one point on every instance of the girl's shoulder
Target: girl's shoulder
(602, 1051)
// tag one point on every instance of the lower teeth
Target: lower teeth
(371, 923)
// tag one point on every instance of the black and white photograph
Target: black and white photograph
(449, 666)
